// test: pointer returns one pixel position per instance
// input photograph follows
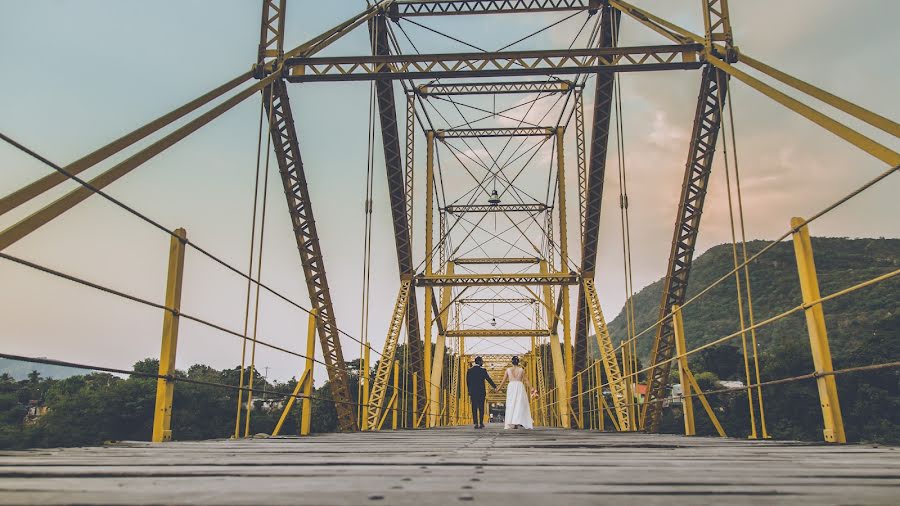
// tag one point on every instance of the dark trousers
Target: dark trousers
(477, 410)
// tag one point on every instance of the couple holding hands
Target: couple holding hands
(518, 411)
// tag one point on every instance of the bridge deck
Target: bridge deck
(492, 466)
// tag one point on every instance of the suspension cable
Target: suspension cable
(740, 201)
(237, 416)
(737, 272)
(259, 259)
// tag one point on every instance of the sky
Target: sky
(92, 70)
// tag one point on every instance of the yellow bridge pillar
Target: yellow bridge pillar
(165, 387)
(305, 383)
(818, 335)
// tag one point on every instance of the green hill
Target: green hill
(863, 329)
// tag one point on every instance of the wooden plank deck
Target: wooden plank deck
(452, 465)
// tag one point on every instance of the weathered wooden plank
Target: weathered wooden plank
(457, 464)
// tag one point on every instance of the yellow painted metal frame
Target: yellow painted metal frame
(383, 373)
(688, 382)
(818, 334)
(437, 364)
(559, 365)
(165, 387)
(608, 356)
(304, 384)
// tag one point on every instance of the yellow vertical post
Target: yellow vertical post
(629, 386)
(396, 394)
(304, 385)
(415, 400)
(580, 405)
(599, 395)
(437, 365)
(564, 255)
(559, 367)
(818, 334)
(687, 402)
(365, 387)
(429, 267)
(165, 387)
(306, 409)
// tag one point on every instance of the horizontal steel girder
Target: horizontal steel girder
(461, 133)
(412, 8)
(496, 261)
(432, 90)
(522, 300)
(496, 279)
(498, 333)
(499, 208)
(508, 63)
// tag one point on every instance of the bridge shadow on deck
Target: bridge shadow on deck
(451, 465)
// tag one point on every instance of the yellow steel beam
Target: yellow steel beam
(32, 190)
(437, 365)
(875, 149)
(564, 251)
(165, 387)
(304, 384)
(839, 103)
(687, 403)
(497, 260)
(709, 411)
(497, 333)
(497, 279)
(559, 363)
(396, 397)
(46, 214)
(383, 373)
(818, 334)
(859, 140)
(608, 355)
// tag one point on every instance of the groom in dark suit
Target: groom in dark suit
(475, 378)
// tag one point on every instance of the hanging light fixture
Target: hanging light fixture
(494, 199)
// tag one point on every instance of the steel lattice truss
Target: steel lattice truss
(501, 240)
(432, 8)
(509, 64)
(502, 88)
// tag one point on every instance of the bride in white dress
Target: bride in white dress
(518, 411)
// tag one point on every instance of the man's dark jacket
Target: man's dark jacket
(475, 378)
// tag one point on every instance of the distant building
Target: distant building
(35, 410)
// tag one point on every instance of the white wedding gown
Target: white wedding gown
(518, 411)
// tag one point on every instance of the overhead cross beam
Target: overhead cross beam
(544, 87)
(498, 208)
(506, 63)
(462, 133)
(473, 300)
(496, 279)
(498, 333)
(411, 8)
(496, 261)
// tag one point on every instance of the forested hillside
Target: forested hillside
(863, 329)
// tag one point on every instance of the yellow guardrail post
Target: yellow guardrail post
(415, 400)
(818, 335)
(396, 390)
(304, 384)
(165, 387)
(687, 399)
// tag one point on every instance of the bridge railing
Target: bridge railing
(592, 407)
